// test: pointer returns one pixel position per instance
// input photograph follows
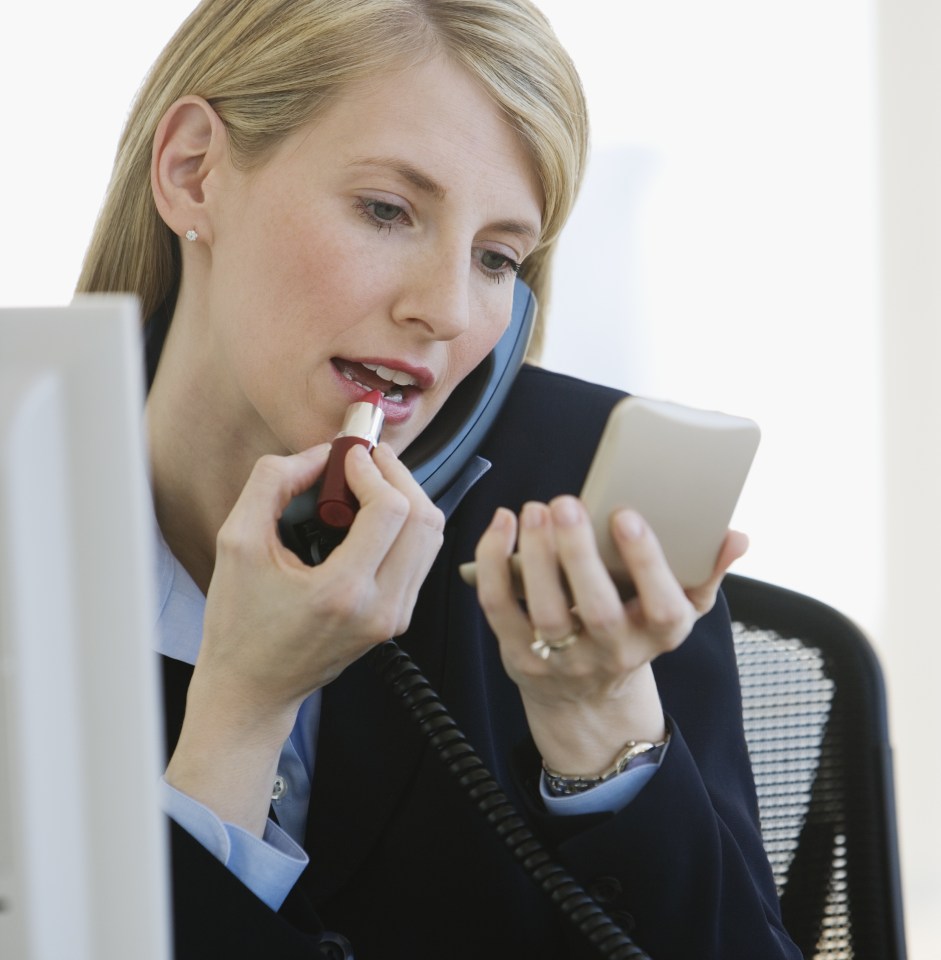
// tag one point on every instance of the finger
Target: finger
(592, 589)
(547, 598)
(664, 609)
(423, 531)
(395, 472)
(421, 537)
(383, 511)
(733, 547)
(495, 588)
(396, 534)
(272, 484)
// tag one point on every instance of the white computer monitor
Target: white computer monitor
(83, 848)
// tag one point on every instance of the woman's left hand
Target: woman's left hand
(585, 700)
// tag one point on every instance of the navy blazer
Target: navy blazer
(404, 866)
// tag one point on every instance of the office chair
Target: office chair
(817, 731)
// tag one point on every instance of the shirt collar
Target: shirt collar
(180, 607)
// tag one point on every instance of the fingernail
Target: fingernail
(533, 515)
(629, 524)
(502, 519)
(566, 511)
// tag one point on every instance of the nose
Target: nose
(435, 295)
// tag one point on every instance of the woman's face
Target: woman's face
(376, 248)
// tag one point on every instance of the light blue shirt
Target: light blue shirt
(270, 865)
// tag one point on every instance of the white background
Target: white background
(759, 232)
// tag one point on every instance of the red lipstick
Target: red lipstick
(362, 424)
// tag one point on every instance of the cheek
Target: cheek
(287, 288)
(485, 331)
(285, 250)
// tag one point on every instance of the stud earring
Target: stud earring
(191, 234)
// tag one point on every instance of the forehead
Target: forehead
(438, 120)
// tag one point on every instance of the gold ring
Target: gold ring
(542, 647)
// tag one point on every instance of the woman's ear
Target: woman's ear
(189, 143)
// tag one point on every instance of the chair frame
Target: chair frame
(852, 802)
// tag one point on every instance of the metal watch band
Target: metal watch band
(633, 753)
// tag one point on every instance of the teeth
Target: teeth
(393, 396)
(349, 376)
(393, 376)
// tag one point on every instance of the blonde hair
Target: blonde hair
(268, 67)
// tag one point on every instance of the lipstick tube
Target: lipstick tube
(362, 424)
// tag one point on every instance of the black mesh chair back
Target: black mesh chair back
(817, 730)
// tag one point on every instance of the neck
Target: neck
(199, 463)
(190, 506)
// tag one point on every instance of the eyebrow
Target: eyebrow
(405, 170)
(434, 189)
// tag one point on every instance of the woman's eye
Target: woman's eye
(384, 211)
(498, 265)
(381, 214)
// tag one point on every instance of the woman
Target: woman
(315, 199)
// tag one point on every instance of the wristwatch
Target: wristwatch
(634, 754)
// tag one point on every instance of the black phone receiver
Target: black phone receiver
(437, 456)
(440, 453)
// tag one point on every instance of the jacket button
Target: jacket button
(606, 889)
(334, 946)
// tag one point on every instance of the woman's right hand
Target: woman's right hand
(276, 629)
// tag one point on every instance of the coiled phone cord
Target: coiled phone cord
(399, 671)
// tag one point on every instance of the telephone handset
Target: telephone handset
(437, 456)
